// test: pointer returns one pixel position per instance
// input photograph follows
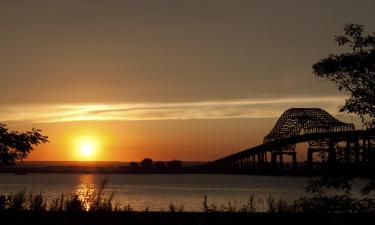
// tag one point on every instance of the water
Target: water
(157, 191)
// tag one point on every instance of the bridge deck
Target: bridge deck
(277, 144)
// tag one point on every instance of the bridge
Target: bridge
(335, 142)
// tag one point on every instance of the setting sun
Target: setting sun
(86, 148)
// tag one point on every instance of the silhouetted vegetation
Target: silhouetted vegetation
(353, 72)
(147, 163)
(174, 164)
(99, 201)
(73, 208)
(17, 146)
(160, 165)
(89, 201)
(134, 164)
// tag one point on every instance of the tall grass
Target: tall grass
(89, 201)
(98, 201)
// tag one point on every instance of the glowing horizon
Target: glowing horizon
(165, 80)
(220, 109)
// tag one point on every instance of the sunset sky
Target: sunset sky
(188, 80)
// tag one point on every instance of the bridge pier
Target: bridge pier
(365, 149)
(369, 150)
(281, 154)
(281, 159)
(261, 158)
(356, 151)
(347, 153)
(294, 160)
(254, 162)
(331, 154)
(265, 157)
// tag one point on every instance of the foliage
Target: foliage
(74, 204)
(353, 72)
(337, 203)
(16, 146)
(174, 164)
(90, 201)
(17, 201)
(160, 165)
(173, 208)
(324, 204)
(249, 206)
(134, 164)
(317, 186)
(147, 163)
(369, 187)
(96, 200)
(37, 202)
(58, 204)
(271, 204)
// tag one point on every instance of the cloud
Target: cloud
(221, 109)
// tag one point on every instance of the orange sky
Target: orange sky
(160, 140)
(187, 80)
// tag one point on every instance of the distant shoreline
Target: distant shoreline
(129, 170)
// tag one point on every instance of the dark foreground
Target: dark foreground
(191, 218)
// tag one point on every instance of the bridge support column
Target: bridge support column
(310, 159)
(253, 161)
(364, 150)
(281, 159)
(331, 154)
(356, 151)
(369, 150)
(273, 159)
(260, 161)
(347, 153)
(265, 157)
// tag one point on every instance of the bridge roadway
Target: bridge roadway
(250, 157)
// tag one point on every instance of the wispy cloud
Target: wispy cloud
(221, 109)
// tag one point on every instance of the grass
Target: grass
(99, 201)
(96, 207)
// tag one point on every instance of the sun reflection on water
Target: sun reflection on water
(85, 190)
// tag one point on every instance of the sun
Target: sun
(86, 148)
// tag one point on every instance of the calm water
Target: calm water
(156, 191)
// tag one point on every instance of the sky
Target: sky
(189, 80)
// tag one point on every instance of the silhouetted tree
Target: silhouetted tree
(134, 164)
(17, 146)
(174, 164)
(147, 163)
(160, 165)
(353, 72)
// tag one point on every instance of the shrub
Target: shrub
(17, 201)
(58, 204)
(37, 202)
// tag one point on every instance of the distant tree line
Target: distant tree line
(148, 163)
